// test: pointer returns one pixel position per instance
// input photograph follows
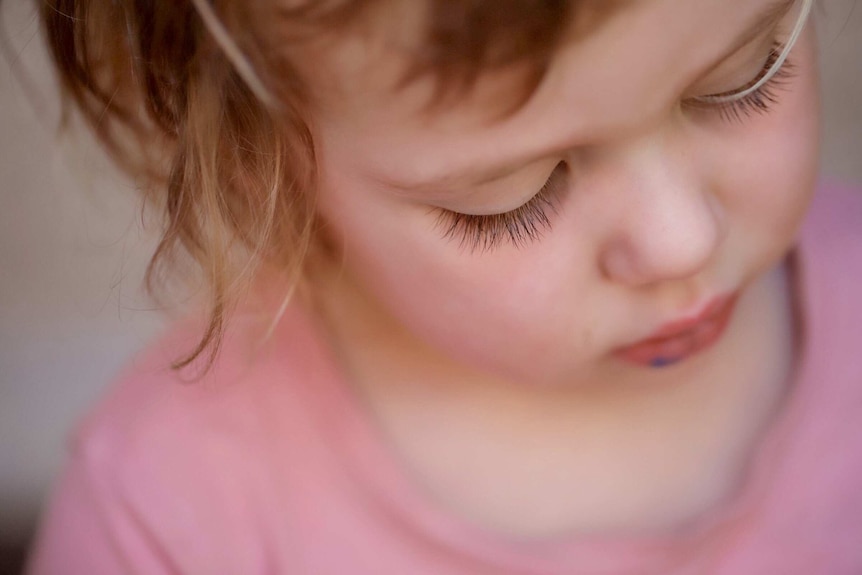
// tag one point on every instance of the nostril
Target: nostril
(617, 266)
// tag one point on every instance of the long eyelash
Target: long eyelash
(758, 102)
(519, 227)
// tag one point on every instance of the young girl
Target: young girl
(494, 287)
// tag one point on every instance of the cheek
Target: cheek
(486, 309)
(768, 176)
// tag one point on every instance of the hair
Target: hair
(231, 174)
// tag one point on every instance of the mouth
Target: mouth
(680, 339)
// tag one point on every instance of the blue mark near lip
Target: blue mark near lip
(662, 362)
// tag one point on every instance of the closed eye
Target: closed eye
(757, 95)
(518, 227)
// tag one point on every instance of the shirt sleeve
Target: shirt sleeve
(164, 477)
(89, 529)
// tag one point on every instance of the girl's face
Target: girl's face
(538, 244)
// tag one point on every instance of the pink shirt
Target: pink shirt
(270, 466)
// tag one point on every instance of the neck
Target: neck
(659, 424)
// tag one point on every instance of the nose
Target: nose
(667, 224)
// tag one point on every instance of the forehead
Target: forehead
(620, 64)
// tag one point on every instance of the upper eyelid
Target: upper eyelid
(718, 99)
(518, 226)
(737, 94)
(497, 195)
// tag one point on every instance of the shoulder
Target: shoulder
(830, 272)
(150, 399)
(199, 463)
(835, 217)
(830, 250)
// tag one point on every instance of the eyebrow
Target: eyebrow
(767, 19)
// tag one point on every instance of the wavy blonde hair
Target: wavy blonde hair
(201, 100)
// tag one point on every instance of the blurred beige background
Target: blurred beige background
(72, 251)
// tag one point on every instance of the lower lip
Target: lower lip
(664, 351)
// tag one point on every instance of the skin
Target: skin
(460, 352)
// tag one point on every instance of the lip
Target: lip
(679, 339)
